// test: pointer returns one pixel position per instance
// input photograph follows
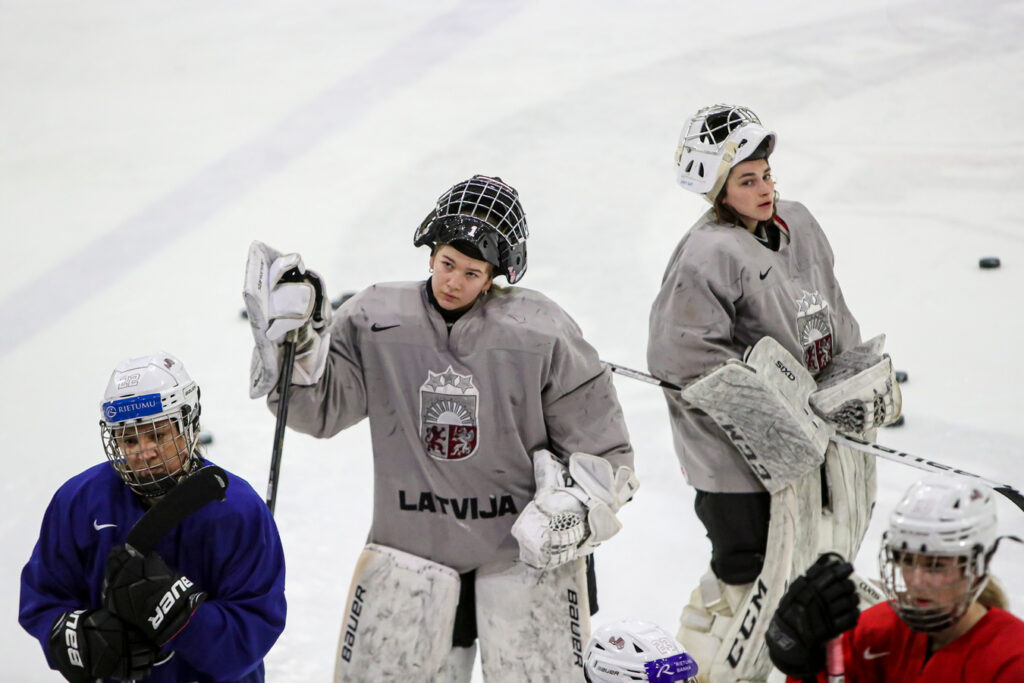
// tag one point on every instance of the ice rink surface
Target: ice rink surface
(145, 144)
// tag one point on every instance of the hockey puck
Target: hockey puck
(898, 422)
(901, 377)
(245, 314)
(206, 438)
(988, 262)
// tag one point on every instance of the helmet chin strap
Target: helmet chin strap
(723, 171)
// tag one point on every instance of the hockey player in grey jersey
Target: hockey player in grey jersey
(500, 451)
(755, 269)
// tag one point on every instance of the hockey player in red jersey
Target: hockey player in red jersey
(945, 619)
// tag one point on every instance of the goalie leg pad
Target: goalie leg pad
(792, 541)
(762, 405)
(458, 666)
(399, 619)
(532, 624)
(728, 643)
(852, 486)
(707, 618)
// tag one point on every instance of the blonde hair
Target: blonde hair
(993, 595)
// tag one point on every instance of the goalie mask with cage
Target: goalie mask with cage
(935, 554)
(150, 424)
(485, 213)
(714, 140)
(633, 650)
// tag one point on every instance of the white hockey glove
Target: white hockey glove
(284, 300)
(858, 391)
(761, 403)
(573, 509)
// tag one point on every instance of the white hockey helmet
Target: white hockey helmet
(634, 650)
(714, 140)
(151, 407)
(486, 213)
(944, 530)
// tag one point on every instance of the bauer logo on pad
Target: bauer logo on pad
(131, 408)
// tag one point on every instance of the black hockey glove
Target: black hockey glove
(148, 594)
(90, 644)
(817, 607)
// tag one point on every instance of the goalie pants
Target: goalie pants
(464, 634)
(737, 526)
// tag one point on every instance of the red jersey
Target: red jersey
(883, 648)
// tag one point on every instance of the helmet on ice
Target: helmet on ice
(485, 213)
(150, 423)
(714, 140)
(633, 650)
(935, 553)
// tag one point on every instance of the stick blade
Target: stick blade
(192, 493)
(1015, 496)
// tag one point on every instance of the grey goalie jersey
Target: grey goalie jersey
(454, 417)
(722, 292)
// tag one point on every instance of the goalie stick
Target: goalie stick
(1015, 496)
(193, 492)
(284, 385)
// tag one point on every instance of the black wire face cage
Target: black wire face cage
(931, 592)
(152, 455)
(472, 209)
(490, 200)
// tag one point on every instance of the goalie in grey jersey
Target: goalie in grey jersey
(501, 455)
(751, 320)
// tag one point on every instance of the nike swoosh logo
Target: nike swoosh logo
(868, 654)
(765, 273)
(380, 328)
(97, 526)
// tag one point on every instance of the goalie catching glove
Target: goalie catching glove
(89, 644)
(147, 594)
(282, 298)
(858, 392)
(573, 509)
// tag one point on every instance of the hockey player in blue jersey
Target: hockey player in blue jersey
(207, 605)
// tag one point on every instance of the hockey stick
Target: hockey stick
(284, 385)
(193, 492)
(1015, 496)
(834, 656)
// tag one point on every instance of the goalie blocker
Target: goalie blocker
(401, 614)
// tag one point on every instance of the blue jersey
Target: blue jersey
(229, 549)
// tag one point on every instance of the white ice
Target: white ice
(145, 144)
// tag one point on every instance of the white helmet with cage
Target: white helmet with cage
(634, 650)
(150, 423)
(484, 212)
(935, 554)
(714, 140)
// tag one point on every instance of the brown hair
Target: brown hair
(725, 213)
